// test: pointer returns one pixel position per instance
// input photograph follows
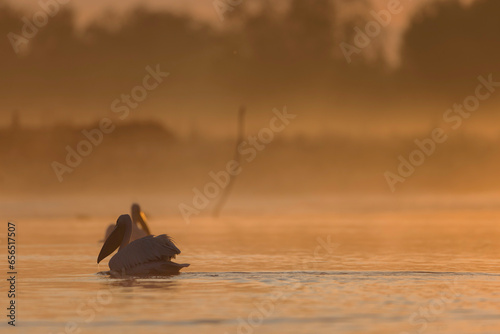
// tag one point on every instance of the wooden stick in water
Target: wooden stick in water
(237, 157)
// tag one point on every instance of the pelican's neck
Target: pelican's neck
(128, 234)
(134, 223)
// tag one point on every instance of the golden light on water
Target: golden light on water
(322, 166)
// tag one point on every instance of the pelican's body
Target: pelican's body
(147, 256)
(138, 217)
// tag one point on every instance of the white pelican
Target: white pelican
(148, 256)
(137, 217)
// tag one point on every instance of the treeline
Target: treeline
(258, 57)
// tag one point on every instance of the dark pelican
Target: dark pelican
(147, 256)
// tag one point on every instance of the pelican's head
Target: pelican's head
(115, 238)
(139, 217)
(136, 209)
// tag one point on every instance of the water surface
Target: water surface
(420, 270)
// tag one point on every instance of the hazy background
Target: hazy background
(353, 120)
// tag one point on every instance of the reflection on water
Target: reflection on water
(423, 271)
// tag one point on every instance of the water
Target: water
(419, 269)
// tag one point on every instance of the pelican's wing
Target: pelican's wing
(144, 250)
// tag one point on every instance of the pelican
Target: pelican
(147, 256)
(137, 217)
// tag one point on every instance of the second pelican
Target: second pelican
(138, 217)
